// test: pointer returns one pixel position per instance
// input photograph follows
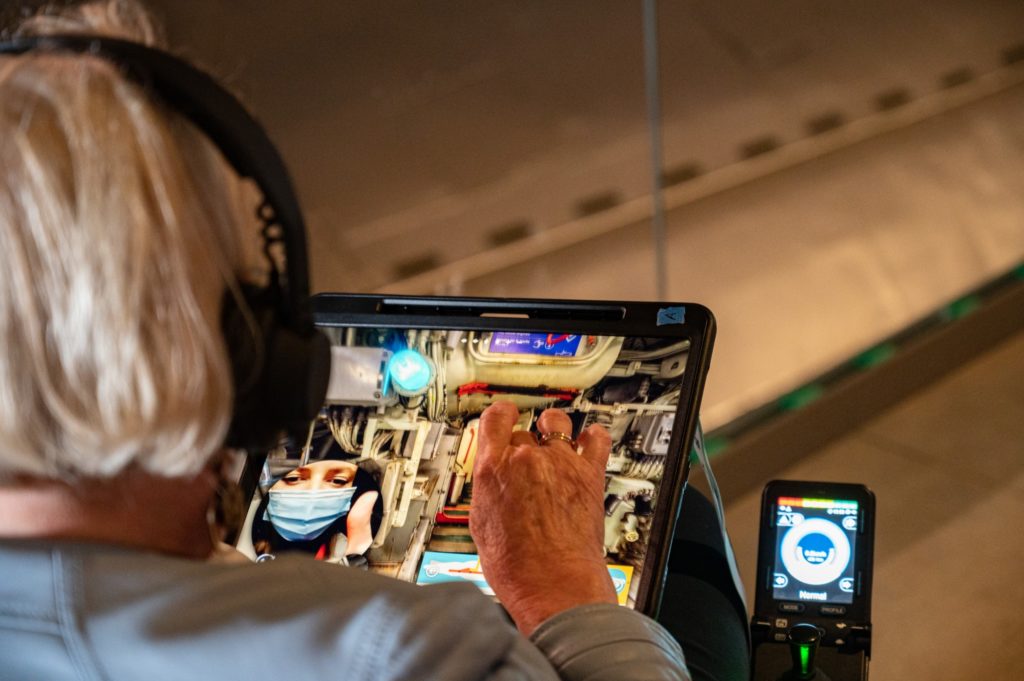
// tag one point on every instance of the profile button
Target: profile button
(791, 607)
(832, 610)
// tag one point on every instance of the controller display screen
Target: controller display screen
(815, 544)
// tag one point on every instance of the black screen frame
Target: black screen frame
(612, 318)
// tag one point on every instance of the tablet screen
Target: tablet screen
(383, 479)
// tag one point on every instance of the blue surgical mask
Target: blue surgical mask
(300, 515)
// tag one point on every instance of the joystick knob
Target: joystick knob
(803, 648)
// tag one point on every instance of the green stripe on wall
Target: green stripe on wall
(880, 354)
(800, 398)
(715, 445)
(961, 308)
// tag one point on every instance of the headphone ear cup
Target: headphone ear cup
(296, 375)
(245, 332)
(280, 374)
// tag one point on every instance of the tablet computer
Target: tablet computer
(383, 479)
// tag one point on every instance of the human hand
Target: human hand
(537, 515)
(358, 524)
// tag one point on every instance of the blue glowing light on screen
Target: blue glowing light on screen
(410, 372)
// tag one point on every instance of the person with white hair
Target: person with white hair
(122, 229)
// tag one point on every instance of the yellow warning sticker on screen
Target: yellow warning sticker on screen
(622, 575)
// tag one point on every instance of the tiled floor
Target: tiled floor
(947, 467)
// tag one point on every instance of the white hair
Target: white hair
(121, 228)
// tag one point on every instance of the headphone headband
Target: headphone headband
(281, 368)
(226, 122)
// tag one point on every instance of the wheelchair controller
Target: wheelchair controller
(812, 612)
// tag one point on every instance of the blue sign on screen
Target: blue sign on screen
(548, 344)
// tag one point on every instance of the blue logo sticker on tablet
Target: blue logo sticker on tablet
(671, 315)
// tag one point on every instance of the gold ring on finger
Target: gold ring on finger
(548, 437)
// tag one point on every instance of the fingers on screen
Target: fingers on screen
(596, 446)
(554, 421)
(496, 429)
(523, 437)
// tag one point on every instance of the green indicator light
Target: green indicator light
(1019, 271)
(798, 399)
(880, 354)
(805, 660)
(803, 644)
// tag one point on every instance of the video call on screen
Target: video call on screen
(384, 478)
(815, 546)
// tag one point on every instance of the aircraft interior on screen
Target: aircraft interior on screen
(384, 478)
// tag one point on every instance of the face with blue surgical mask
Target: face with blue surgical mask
(308, 499)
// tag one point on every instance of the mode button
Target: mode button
(791, 607)
(833, 610)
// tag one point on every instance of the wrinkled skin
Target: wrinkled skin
(538, 515)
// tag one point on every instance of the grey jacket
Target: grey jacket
(75, 611)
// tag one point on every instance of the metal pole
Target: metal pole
(652, 79)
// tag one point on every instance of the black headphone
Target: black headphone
(280, 361)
